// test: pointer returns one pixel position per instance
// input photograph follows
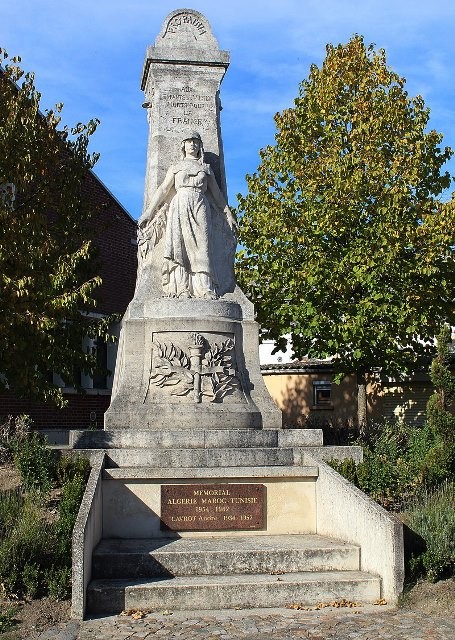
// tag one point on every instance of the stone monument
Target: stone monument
(188, 351)
(198, 498)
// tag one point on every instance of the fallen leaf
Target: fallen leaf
(136, 614)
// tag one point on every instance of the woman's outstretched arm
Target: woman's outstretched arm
(159, 197)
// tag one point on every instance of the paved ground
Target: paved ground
(359, 623)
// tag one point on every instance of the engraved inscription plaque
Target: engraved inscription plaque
(212, 507)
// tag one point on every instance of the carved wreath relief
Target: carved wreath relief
(207, 371)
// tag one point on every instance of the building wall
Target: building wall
(294, 395)
(280, 357)
(116, 247)
(405, 401)
(82, 412)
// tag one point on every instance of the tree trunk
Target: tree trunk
(362, 417)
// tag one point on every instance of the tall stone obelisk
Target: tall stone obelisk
(187, 359)
(181, 81)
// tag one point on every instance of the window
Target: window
(100, 377)
(322, 394)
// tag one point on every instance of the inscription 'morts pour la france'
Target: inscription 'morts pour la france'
(212, 507)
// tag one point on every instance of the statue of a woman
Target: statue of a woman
(188, 197)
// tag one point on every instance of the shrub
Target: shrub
(58, 581)
(12, 430)
(347, 468)
(35, 462)
(68, 467)
(24, 545)
(35, 555)
(432, 516)
(11, 504)
(440, 415)
(72, 493)
(31, 575)
(7, 618)
(399, 460)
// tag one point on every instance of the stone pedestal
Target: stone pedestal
(190, 364)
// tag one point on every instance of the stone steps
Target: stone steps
(165, 557)
(226, 572)
(228, 592)
(195, 438)
(230, 473)
(189, 445)
(204, 458)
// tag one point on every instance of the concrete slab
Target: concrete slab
(160, 557)
(223, 592)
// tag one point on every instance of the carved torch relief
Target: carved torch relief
(204, 371)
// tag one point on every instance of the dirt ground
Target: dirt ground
(9, 477)
(35, 616)
(436, 599)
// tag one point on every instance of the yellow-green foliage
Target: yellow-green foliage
(346, 245)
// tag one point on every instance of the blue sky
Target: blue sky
(89, 56)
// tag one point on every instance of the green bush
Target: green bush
(11, 504)
(58, 580)
(13, 429)
(347, 468)
(31, 578)
(72, 493)
(35, 462)
(35, 555)
(432, 516)
(24, 544)
(439, 406)
(7, 618)
(68, 467)
(399, 460)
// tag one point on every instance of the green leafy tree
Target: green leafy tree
(347, 247)
(46, 271)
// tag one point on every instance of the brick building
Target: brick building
(115, 242)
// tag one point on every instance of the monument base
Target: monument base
(194, 519)
(189, 363)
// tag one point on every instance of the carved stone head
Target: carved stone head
(193, 135)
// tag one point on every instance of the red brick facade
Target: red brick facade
(116, 249)
(82, 411)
